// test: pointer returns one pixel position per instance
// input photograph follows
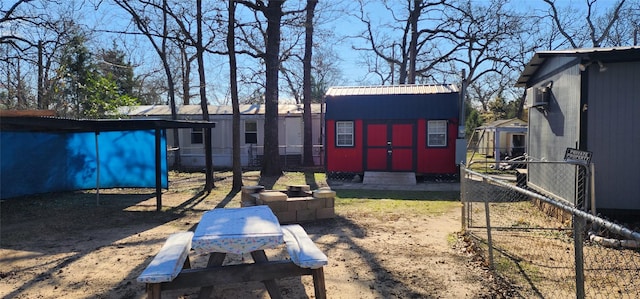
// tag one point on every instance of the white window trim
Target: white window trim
(431, 127)
(251, 132)
(338, 134)
(196, 131)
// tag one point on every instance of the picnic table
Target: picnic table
(239, 231)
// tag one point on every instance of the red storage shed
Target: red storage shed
(407, 128)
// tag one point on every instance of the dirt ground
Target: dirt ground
(69, 246)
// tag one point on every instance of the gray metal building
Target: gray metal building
(588, 99)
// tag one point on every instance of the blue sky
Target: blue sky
(353, 72)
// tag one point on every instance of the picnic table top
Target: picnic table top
(237, 230)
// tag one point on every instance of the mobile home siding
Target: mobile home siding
(614, 131)
(597, 89)
(554, 130)
(290, 137)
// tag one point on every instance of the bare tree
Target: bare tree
(306, 113)
(406, 44)
(273, 13)
(210, 183)
(271, 159)
(479, 33)
(589, 31)
(186, 59)
(235, 101)
(31, 39)
(158, 37)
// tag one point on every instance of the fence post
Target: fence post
(489, 239)
(578, 229)
(462, 196)
(579, 226)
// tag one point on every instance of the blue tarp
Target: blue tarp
(35, 162)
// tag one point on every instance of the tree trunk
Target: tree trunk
(521, 102)
(186, 75)
(306, 113)
(177, 162)
(235, 102)
(271, 158)
(40, 77)
(209, 180)
(414, 15)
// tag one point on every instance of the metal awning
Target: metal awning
(614, 54)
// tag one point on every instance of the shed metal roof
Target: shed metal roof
(503, 122)
(249, 109)
(613, 54)
(54, 124)
(391, 89)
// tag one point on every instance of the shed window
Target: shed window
(197, 136)
(250, 132)
(344, 133)
(437, 133)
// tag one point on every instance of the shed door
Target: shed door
(389, 147)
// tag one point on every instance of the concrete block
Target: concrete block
(248, 192)
(278, 206)
(286, 216)
(269, 196)
(324, 193)
(297, 203)
(305, 215)
(325, 213)
(252, 189)
(316, 203)
(330, 202)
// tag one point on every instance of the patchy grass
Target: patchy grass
(398, 194)
(395, 206)
(375, 201)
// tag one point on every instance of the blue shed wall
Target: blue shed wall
(34, 162)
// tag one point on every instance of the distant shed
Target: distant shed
(588, 99)
(502, 138)
(406, 128)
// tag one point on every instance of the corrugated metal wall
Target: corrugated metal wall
(554, 130)
(38, 162)
(614, 134)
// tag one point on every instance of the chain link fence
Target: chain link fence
(546, 243)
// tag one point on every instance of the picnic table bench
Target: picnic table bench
(170, 269)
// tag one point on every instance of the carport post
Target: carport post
(158, 171)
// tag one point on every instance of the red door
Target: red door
(389, 146)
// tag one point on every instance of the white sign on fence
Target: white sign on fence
(573, 155)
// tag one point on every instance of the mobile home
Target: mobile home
(191, 141)
(587, 99)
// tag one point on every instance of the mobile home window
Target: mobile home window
(437, 133)
(250, 132)
(344, 133)
(197, 136)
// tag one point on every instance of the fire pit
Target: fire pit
(296, 204)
